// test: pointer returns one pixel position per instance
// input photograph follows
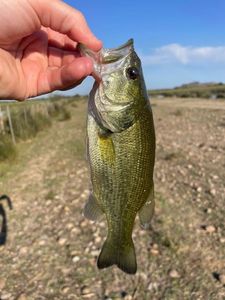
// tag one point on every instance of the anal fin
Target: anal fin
(92, 210)
(147, 210)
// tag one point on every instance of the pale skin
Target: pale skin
(38, 40)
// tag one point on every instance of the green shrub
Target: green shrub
(64, 114)
(193, 90)
(221, 95)
(7, 148)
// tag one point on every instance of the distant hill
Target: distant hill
(193, 90)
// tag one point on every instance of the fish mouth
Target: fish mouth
(114, 54)
(106, 56)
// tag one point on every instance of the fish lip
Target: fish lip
(96, 76)
(105, 56)
(94, 56)
(111, 55)
(129, 43)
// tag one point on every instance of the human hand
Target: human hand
(38, 40)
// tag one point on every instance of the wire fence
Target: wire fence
(23, 121)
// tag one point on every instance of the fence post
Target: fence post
(10, 125)
(25, 115)
(2, 127)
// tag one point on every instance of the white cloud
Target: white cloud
(185, 55)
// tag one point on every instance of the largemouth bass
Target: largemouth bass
(121, 152)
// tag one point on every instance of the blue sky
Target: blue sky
(178, 41)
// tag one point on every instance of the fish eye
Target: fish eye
(132, 73)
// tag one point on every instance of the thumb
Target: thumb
(64, 19)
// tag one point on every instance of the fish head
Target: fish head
(118, 73)
(122, 80)
(119, 89)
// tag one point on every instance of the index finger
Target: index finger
(63, 18)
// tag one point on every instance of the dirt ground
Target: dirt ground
(50, 250)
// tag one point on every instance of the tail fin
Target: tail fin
(107, 257)
(124, 257)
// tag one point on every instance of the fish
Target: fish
(120, 152)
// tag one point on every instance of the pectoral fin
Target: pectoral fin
(147, 211)
(92, 210)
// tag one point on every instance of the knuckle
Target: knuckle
(80, 16)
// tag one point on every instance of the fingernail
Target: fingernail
(98, 45)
